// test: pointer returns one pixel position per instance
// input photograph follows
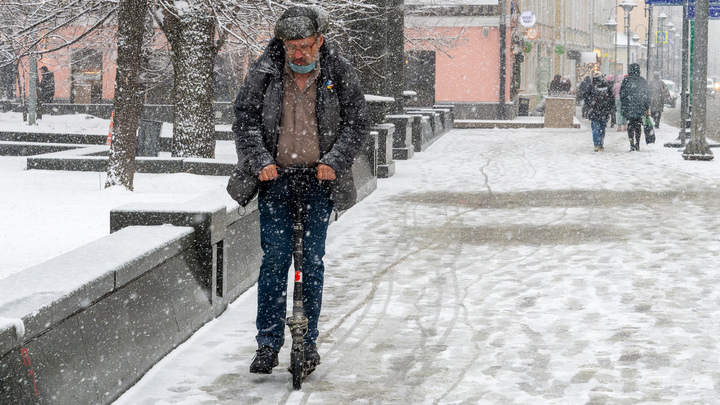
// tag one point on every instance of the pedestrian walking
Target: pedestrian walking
(659, 93)
(621, 122)
(635, 104)
(602, 104)
(301, 105)
(46, 90)
(610, 82)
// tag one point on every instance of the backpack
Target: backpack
(599, 99)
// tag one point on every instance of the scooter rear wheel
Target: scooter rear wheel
(297, 360)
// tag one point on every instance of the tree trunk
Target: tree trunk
(128, 97)
(193, 55)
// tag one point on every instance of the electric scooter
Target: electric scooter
(297, 322)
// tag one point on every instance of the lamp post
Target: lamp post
(675, 57)
(661, 29)
(627, 6)
(671, 30)
(612, 24)
(636, 38)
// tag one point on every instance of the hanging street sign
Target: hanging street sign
(528, 19)
(527, 47)
(713, 12)
(559, 49)
(532, 33)
(661, 37)
(673, 2)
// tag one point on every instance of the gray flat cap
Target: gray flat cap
(301, 22)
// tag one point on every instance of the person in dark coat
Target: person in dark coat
(301, 104)
(566, 85)
(658, 92)
(555, 87)
(613, 115)
(635, 104)
(46, 90)
(583, 93)
(602, 104)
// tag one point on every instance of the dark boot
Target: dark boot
(265, 359)
(312, 358)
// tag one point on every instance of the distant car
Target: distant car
(710, 88)
(673, 93)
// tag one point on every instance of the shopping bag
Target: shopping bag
(649, 130)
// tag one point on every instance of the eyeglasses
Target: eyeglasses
(304, 48)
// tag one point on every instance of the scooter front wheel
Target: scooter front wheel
(297, 363)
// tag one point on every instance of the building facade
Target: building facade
(458, 46)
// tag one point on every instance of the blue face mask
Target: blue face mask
(301, 68)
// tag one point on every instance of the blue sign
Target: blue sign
(673, 2)
(713, 13)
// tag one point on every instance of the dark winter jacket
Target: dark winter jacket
(584, 88)
(634, 94)
(342, 117)
(555, 86)
(602, 100)
(46, 87)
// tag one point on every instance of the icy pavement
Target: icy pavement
(499, 267)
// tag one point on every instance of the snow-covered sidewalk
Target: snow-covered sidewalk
(498, 267)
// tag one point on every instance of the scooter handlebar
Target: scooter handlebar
(297, 170)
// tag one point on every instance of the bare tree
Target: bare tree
(191, 31)
(128, 96)
(196, 31)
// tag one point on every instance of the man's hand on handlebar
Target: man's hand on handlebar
(268, 173)
(325, 172)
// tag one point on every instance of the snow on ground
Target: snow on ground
(47, 213)
(497, 267)
(64, 124)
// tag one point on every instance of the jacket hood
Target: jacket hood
(634, 69)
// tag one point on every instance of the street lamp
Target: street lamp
(612, 24)
(673, 55)
(671, 30)
(627, 6)
(636, 38)
(661, 29)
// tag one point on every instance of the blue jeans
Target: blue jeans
(277, 213)
(598, 131)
